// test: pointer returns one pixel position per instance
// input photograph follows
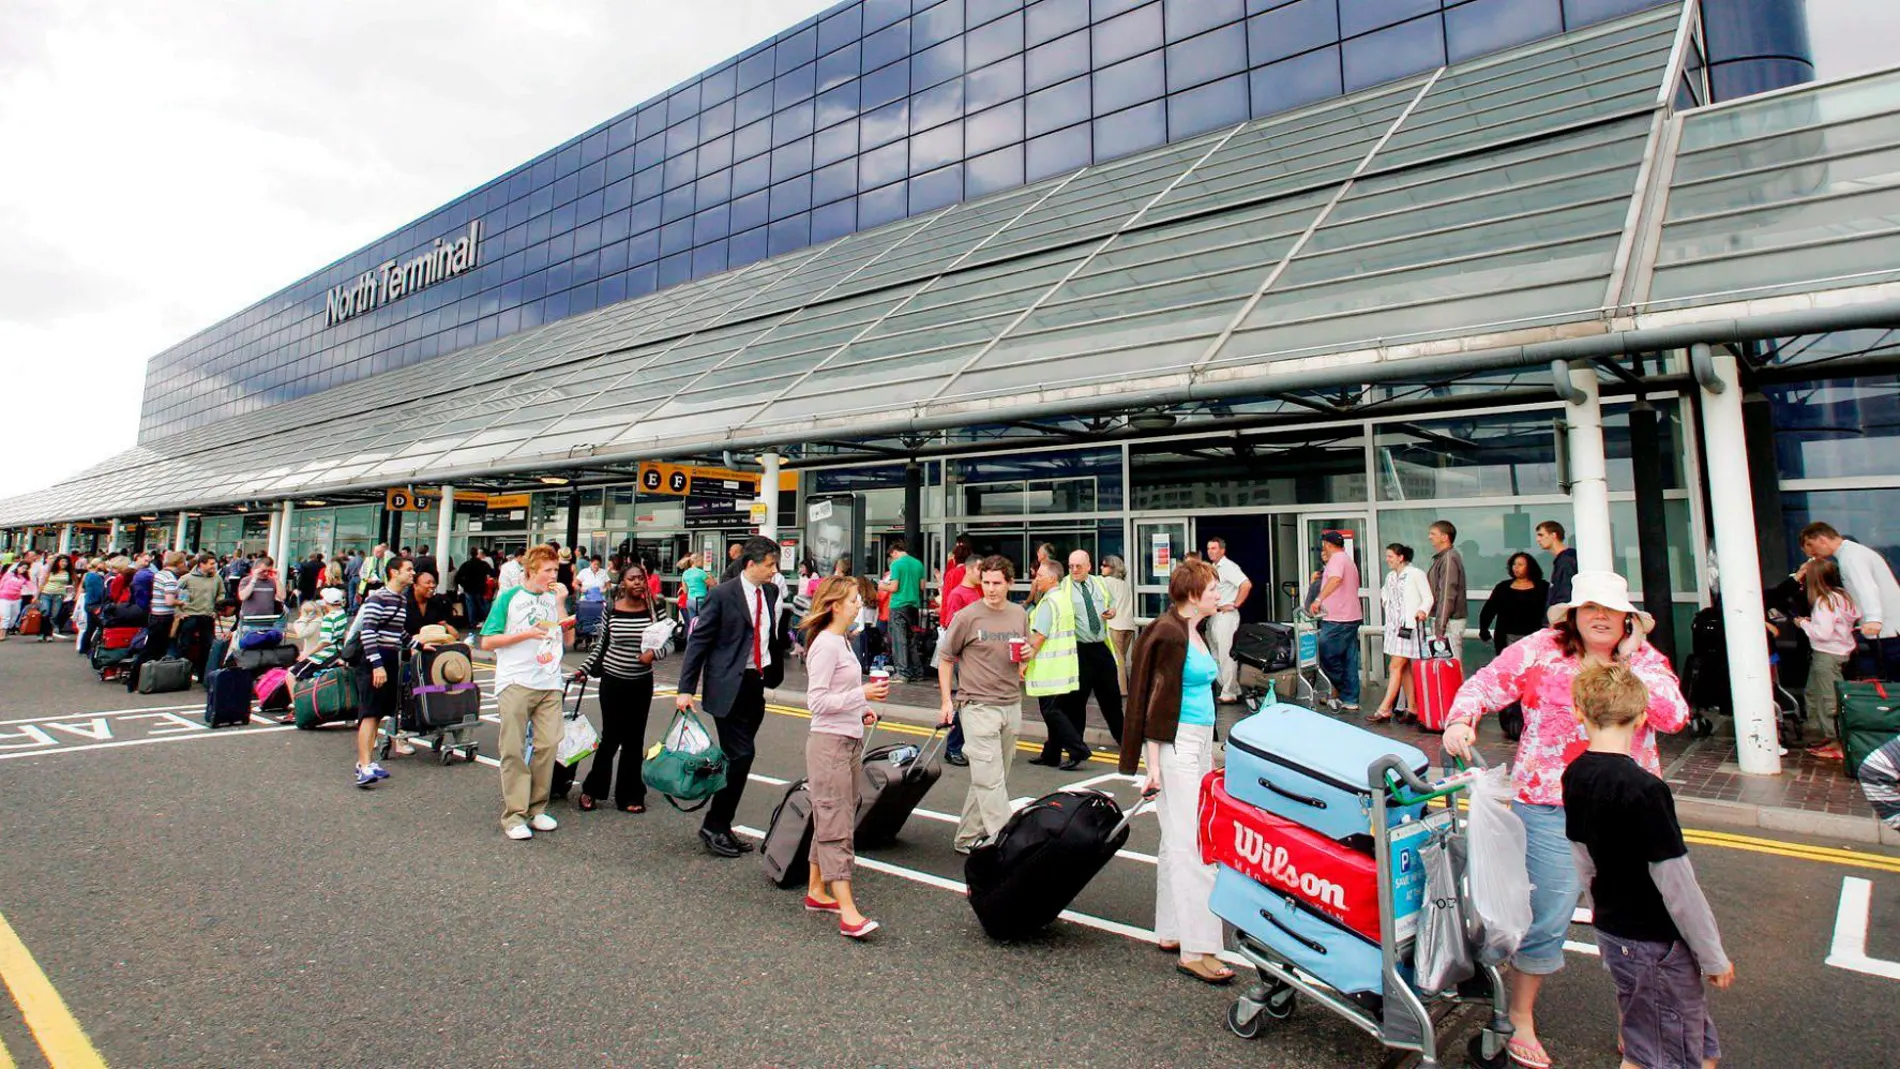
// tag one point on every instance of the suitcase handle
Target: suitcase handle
(1303, 799)
(1310, 944)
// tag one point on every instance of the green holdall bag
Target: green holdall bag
(686, 765)
(1869, 718)
(326, 697)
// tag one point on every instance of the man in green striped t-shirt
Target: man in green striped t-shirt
(331, 629)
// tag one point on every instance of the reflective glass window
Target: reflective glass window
(648, 183)
(645, 215)
(649, 153)
(794, 86)
(1057, 107)
(1189, 17)
(1870, 517)
(790, 198)
(998, 126)
(794, 158)
(1213, 105)
(1057, 60)
(1292, 29)
(746, 248)
(834, 220)
(885, 124)
(880, 206)
(792, 123)
(1485, 26)
(884, 12)
(753, 174)
(1127, 83)
(1052, 18)
(838, 181)
(937, 64)
(987, 44)
(883, 166)
(993, 84)
(1001, 169)
(754, 104)
(715, 188)
(1132, 130)
(937, 189)
(1832, 429)
(714, 155)
(717, 120)
(799, 48)
(673, 271)
(1127, 34)
(841, 29)
(711, 224)
(720, 85)
(642, 248)
(887, 46)
(675, 236)
(756, 69)
(1359, 16)
(1057, 153)
(939, 22)
(937, 105)
(838, 68)
(1292, 82)
(709, 259)
(676, 204)
(880, 87)
(682, 105)
(1392, 53)
(835, 143)
(935, 148)
(1209, 56)
(751, 140)
(788, 234)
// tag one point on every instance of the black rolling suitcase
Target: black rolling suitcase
(887, 793)
(1269, 647)
(227, 696)
(786, 851)
(1042, 859)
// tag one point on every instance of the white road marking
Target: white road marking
(106, 712)
(202, 733)
(1850, 932)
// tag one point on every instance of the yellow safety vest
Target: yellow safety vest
(1053, 670)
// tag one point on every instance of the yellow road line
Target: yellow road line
(6, 1059)
(60, 1038)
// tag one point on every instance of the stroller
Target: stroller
(436, 707)
(587, 615)
(1705, 680)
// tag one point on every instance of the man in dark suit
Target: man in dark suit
(740, 654)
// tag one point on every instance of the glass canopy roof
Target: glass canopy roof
(1548, 191)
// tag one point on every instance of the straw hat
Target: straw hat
(435, 635)
(1607, 589)
(450, 666)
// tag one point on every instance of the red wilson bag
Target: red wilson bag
(1329, 877)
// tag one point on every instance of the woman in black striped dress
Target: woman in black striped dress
(625, 671)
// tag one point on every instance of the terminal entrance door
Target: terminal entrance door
(1159, 546)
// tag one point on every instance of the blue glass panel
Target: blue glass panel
(1295, 28)
(754, 104)
(594, 148)
(676, 236)
(843, 28)
(648, 183)
(1060, 106)
(619, 136)
(1053, 18)
(794, 86)
(720, 85)
(756, 69)
(1001, 125)
(1057, 153)
(886, 124)
(982, 11)
(883, 12)
(993, 84)
(987, 44)
(677, 204)
(788, 234)
(746, 248)
(792, 123)
(682, 105)
(565, 189)
(1189, 17)
(681, 169)
(711, 224)
(752, 139)
(750, 211)
(1580, 13)
(835, 182)
(835, 143)
(1358, 16)
(615, 226)
(1058, 60)
(715, 188)
(644, 216)
(934, 149)
(673, 271)
(1144, 126)
(838, 68)
(1002, 169)
(715, 155)
(1484, 26)
(799, 48)
(883, 166)
(789, 198)
(837, 105)
(649, 153)
(1739, 78)
(939, 22)
(717, 121)
(589, 206)
(1213, 105)
(753, 174)
(613, 260)
(1293, 82)
(834, 220)
(1127, 34)
(793, 159)
(707, 260)
(937, 189)
(936, 106)
(1209, 56)
(1131, 82)
(883, 86)
(887, 46)
(613, 290)
(1395, 52)
(880, 206)
(936, 64)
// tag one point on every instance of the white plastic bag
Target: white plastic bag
(577, 741)
(1500, 887)
(687, 735)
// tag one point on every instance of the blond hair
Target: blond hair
(1609, 695)
(536, 556)
(833, 591)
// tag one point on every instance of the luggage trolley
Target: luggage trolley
(1267, 649)
(444, 716)
(1400, 1017)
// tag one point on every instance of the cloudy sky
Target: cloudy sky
(168, 164)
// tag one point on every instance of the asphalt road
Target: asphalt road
(229, 899)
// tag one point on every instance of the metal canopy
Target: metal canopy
(1448, 224)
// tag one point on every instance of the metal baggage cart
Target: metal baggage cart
(409, 724)
(1402, 1018)
(1312, 687)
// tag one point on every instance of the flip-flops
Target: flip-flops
(1527, 1055)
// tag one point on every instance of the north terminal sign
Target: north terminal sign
(393, 279)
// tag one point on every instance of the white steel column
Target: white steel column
(65, 539)
(112, 539)
(444, 513)
(768, 493)
(1732, 516)
(178, 533)
(280, 552)
(270, 536)
(1589, 476)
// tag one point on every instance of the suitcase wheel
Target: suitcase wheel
(445, 755)
(1245, 1019)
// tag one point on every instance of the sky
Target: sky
(169, 164)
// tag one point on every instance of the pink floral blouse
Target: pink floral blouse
(1535, 672)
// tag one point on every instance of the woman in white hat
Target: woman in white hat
(1597, 625)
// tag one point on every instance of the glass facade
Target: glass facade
(871, 112)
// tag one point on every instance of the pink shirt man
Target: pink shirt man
(1342, 605)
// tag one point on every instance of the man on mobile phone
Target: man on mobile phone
(528, 630)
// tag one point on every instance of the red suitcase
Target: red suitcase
(1327, 876)
(1435, 683)
(118, 638)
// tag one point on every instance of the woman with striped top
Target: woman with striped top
(625, 671)
(379, 628)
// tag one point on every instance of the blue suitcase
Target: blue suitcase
(1311, 769)
(1317, 945)
(227, 697)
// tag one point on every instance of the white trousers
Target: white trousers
(1220, 642)
(9, 614)
(1183, 885)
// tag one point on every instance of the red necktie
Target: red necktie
(758, 618)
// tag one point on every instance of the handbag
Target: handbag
(686, 765)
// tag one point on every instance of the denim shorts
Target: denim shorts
(1660, 1002)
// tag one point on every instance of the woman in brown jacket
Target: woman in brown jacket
(1170, 722)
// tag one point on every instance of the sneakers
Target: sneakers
(365, 776)
(378, 771)
(543, 822)
(518, 831)
(956, 759)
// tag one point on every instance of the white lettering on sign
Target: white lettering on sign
(391, 279)
(26, 736)
(95, 729)
(1272, 860)
(169, 723)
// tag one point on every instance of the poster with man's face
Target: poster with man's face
(830, 531)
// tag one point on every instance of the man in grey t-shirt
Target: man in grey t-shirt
(982, 658)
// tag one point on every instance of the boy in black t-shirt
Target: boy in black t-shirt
(1654, 928)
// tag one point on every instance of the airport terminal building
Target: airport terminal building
(1119, 275)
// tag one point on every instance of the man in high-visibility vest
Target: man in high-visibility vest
(1051, 674)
